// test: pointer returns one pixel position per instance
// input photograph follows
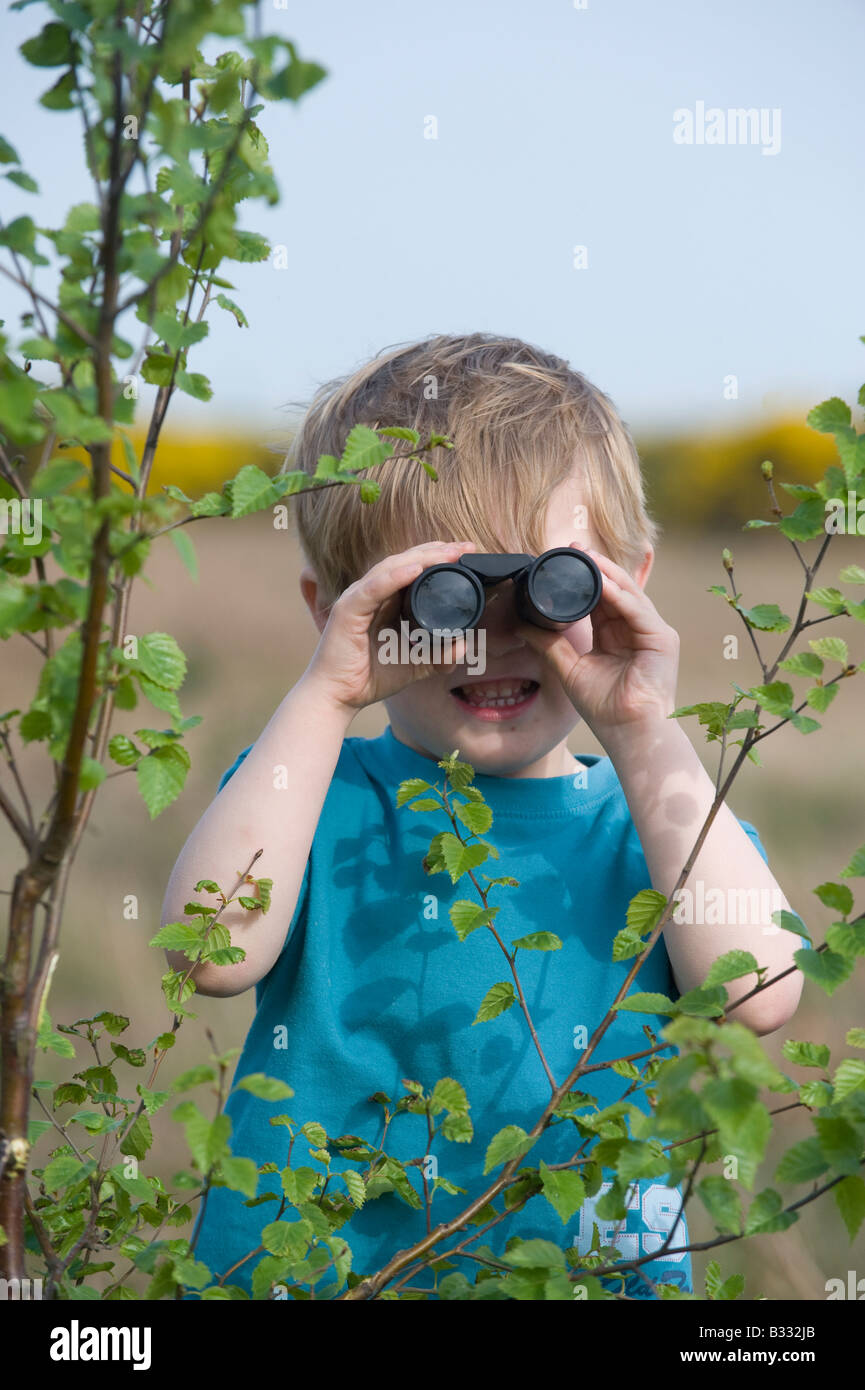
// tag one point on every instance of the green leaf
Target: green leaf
(51, 48)
(477, 817)
(832, 599)
(248, 247)
(820, 697)
(122, 750)
(563, 1189)
(729, 1100)
(765, 1214)
(847, 938)
(806, 1054)
(412, 787)
(355, 1186)
(363, 449)
(829, 415)
(747, 1140)
(497, 999)
(803, 664)
(161, 776)
(269, 1088)
(228, 304)
(460, 858)
(179, 936)
(831, 649)
(849, 1196)
(467, 916)
(725, 1290)
(252, 491)
(807, 521)
(855, 1037)
(92, 774)
(825, 968)
(287, 1238)
(539, 941)
(186, 551)
(193, 384)
(299, 1184)
(815, 1094)
(535, 1254)
(803, 1162)
(856, 867)
(731, 966)
(767, 617)
(510, 1142)
(849, 1076)
(648, 1003)
(840, 1143)
(161, 660)
(62, 1172)
(139, 1138)
(449, 1095)
(790, 921)
(775, 698)
(240, 1174)
(458, 1129)
(400, 432)
(721, 1201)
(644, 910)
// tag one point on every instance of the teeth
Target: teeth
(498, 696)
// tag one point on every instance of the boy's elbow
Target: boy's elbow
(768, 1012)
(213, 981)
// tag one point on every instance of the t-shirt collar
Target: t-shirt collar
(393, 761)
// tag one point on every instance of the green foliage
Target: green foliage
(174, 203)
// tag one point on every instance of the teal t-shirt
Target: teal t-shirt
(373, 986)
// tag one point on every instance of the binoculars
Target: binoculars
(552, 590)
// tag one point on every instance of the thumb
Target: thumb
(554, 647)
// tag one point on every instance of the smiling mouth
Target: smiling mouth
(495, 694)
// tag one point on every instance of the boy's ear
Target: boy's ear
(309, 588)
(644, 569)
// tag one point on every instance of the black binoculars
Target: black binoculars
(552, 591)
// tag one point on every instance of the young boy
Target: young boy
(360, 978)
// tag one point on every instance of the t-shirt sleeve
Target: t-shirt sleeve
(746, 825)
(229, 773)
(304, 884)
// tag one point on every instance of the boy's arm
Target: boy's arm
(669, 794)
(621, 678)
(305, 735)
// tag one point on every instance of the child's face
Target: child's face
(435, 717)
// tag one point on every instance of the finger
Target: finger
(362, 599)
(617, 572)
(636, 610)
(554, 647)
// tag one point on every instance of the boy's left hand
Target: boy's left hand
(622, 670)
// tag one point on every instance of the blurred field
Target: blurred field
(248, 638)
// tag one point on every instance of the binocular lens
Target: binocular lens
(562, 586)
(444, 598)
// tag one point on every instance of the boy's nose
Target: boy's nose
(500, 618)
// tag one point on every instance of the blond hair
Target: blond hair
(521, 421)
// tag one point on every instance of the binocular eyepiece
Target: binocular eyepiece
(552, 590)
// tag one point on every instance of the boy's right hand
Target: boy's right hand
(346, 660)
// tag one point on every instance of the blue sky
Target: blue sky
(555, 130)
